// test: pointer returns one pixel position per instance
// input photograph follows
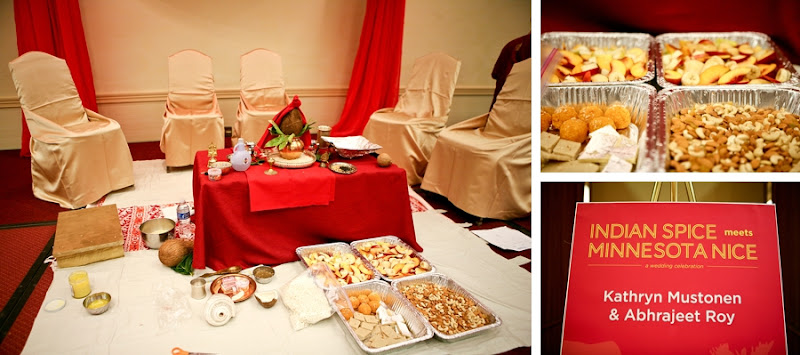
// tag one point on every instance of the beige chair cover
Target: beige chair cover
(262, 94)
(192, 119)
(483, 165)
(408, 131)
(77, 155)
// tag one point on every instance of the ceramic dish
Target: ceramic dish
(343, 168)
(236, 286)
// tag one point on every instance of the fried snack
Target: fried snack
(621, 116)
(546, 120)
(723, 137)
(588, 112)
(563, 114)
(575, 130)
(600, 122)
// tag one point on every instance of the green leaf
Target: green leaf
(276, 128)
(185, 266)
(276, 141)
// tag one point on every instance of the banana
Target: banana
(754, 72)
(714, 60)
(693, 65)
(782, 75)
(690, 78)
(615, 76)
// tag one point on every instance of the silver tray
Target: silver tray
(418, 326)
(331, 248)
(638, 97)
(603, 39)
(753, 38)
(670, 101)
(442, 280)
(396, 241)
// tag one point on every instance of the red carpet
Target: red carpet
(18, 204)
(18, 335)
(19, 249)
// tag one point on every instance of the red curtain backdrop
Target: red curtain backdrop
(776, 18)
(375, 81)
(55, 27)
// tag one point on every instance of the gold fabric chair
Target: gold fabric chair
(408, 131)
(262, 94)
(77, 155)
(483, 165)
(192, 118)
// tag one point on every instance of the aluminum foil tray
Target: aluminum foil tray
(418, 326)
(442, 280)
(567, 40)
(395, 241)
(753, 38)
(670, 101)
(638, 97)
(332, 248)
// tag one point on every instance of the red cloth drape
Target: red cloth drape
(55, 27)
(375, 81)
(776, 18)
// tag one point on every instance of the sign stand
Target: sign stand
(673, 191)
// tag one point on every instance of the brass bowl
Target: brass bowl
(263, 274)
(96, 297)
(225, 166)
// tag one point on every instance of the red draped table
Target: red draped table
(233, 230)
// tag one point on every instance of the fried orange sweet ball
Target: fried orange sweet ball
(620, 115)
(575, 130)
(546, 120)
(600, 122)
(588, 112)
(563, 114)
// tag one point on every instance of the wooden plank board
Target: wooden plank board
(88, 235)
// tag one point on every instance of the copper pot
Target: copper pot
(293, 150)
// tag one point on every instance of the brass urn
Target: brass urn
(293, 150)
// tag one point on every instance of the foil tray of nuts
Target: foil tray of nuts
(392, 257)
(721, 58)
(731, 128)
(608, 58)
(346, 264)
(641, 133)
(384, 336)
(460, 316)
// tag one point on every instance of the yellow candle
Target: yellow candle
(79, 280)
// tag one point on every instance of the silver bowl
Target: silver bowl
(263, 274)
(94, 297)
(156, 231)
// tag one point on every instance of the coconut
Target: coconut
(173, 251)
(384, 160)
(292, 123)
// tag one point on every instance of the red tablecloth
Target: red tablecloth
(370, 203)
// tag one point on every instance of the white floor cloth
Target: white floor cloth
(130, 326)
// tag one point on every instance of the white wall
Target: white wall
(129, 42)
